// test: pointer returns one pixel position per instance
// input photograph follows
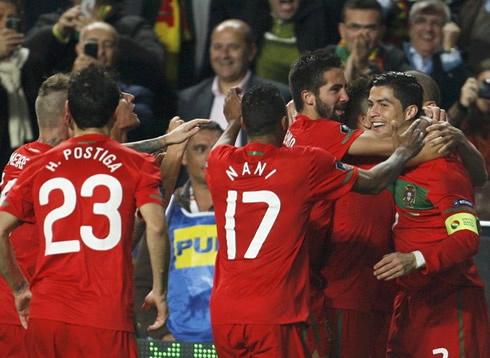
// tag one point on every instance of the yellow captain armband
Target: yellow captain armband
(461, 221)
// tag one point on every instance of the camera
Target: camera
(484, 89)
(91, 49)
(13, 23)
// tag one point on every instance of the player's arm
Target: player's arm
(176, 136)
(233, 113)
(379, 177)
(452, 139)
(10, 269)
(159, 249)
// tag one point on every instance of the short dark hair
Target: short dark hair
(362, 5)
(263, 107)
(482, 66)
(432, 91)
(358, 92)
(211, 126)
(93, 96)
(405, 87)
(307, 71)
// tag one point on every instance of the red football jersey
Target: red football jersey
(263, 195)
(83, 195)
(335, 138)
(24, 239)
(435, 214)
(360, 236)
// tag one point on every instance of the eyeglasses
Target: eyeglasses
(422, 20)
(356, 27)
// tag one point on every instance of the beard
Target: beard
(324, 110)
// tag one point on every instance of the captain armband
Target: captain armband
(461, 221)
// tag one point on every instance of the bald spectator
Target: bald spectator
(231, 53)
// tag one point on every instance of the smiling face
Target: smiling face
(331, 100)
(197, 153)
(230, 54)
(426, 33)
(384, 107)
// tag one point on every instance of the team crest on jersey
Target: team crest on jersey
(345, 129)
(409, 195)
(342, 166)
(462, 202)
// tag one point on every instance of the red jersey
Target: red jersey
(335, 138)
(83, 195)
(360, 236)
(434, 203)
(23, 239)
(263, 195)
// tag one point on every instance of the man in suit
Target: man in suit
(232, 51)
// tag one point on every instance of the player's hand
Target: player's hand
(412, 140)
(153, 299)
(22, 304)
(10, 40)
(68, 21)
(395, 265)
(232, 108)
(437, 114)
(446, 136)
(82, 61)
(185, 130)
(469, 92)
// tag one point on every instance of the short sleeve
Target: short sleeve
(149, 184)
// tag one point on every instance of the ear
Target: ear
(341, 28)
(411, 112)
(364, 121)
(67, 117)
(242, 124)
(79, 48)
(252, 52)
(308, 98)
(285, 123)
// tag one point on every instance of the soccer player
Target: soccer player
(441, 308)
(263, 194)
(317, 85)
(83, 195)
(50, 109)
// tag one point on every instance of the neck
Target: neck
(202, 195)
(267, 139)
(103, 131)
(309, 112)
(225, 87)
(119, 134)
(53, 136)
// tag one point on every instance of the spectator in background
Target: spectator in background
(20, 78)
(361, 50)
(472, 114)
(425, 51)
(192, 231)
(474, 20)
(141, 60)
(231, 53)
(104, 39)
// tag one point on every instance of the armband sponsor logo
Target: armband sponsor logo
(195, 246)
(409, 195)
(461, 221)
(462, 202)
(342, 166)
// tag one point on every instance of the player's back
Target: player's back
(263, 195)
(84, 194)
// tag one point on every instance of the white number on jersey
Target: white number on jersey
(443, 351)
(108, 209)
(270, 216)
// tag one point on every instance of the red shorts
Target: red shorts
(47, 338)
(352, 332)
(260, 340)
(440, 321)
(12, 341)
(382, 321)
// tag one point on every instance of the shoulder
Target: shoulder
(190, 92)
